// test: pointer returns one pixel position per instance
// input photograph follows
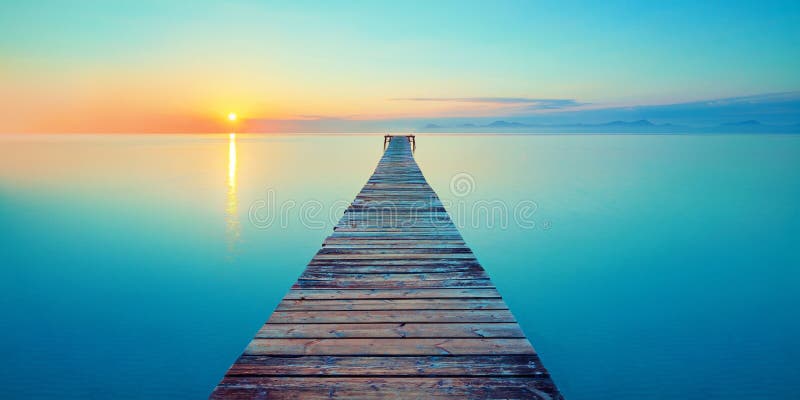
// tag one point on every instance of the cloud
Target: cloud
(710, 115)
(756, 99)
(529, 103)
(778, 108)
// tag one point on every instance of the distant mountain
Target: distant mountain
(641, 122)
(750, 122)
(506, 124)
(638, 126)
(432, 126)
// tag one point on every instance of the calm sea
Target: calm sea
(658, 267)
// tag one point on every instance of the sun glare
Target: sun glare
(232, 117)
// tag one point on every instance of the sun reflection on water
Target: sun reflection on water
(233, 229)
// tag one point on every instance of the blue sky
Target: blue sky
(186, 63)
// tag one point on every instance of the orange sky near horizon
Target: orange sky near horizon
(102, 101)
(180, 66)
(118, 100)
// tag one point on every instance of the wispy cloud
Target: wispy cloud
(779, 108)
(755, 99)
(528, 102)
(775, 112)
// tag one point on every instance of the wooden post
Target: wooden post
(386, 139)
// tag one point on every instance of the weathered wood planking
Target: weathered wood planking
(390, 330)
(491, 365)
(386, 387)
(391, 304)
(394, 306)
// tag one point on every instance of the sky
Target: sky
(182, 66)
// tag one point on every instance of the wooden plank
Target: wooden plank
(390, 330)
(385, 346)
(492, 365)
(439, 293)
(355, 244)
(394, 250)
(391, 256)
(392, 304)
(346, 268)
(421, 235)
(432, 230)
(401, 243)
(392, 284)
(377, 316)
(410, 263)
(393, 277)
(390, 388)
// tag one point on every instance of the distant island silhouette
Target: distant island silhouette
(637, 126)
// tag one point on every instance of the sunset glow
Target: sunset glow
(333, 67)
(628, 173)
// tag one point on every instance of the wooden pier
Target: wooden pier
(394, 306)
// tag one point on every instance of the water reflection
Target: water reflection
(233, 229)
(677, 204)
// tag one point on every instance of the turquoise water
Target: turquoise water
(652, 267)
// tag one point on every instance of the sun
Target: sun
(232, 117)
